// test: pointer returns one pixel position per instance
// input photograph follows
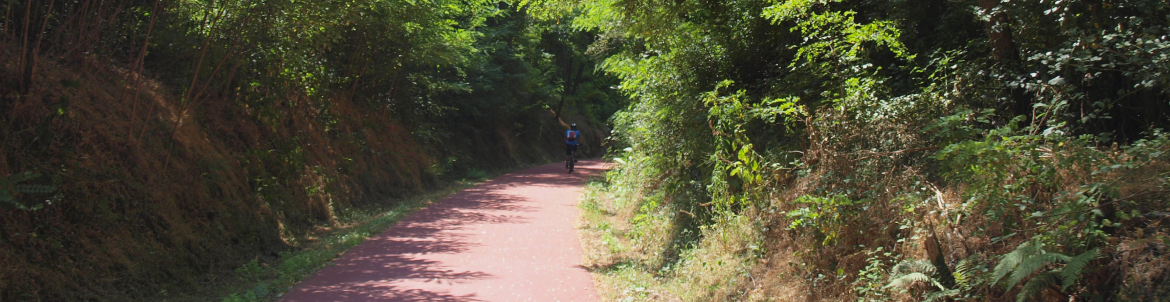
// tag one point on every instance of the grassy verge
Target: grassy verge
(640, 253)
(267, 281)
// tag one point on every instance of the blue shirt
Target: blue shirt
(573, 141)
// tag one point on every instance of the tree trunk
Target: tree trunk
(1003, 50)
(999, 32)
(565, 86)
(560, 105)
(571, 84)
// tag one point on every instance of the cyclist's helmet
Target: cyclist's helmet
(574, 126)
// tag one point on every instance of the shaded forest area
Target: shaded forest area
(152, 147)
(874, 150)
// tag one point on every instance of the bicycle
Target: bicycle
(571, 142)
(571, 161)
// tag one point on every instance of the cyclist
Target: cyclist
(572, 140)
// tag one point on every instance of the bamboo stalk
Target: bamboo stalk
(60, 31)
(7, 24)
(82, 14)
(202, 55)
(24, 49)
(37, 46)
(139, 69)
(235, 46)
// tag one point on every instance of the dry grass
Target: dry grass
(778, 277)
(628, 249)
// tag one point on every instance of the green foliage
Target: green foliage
(14, 187)
(827, 216)
(1030, 258)
(251, 271)
(963, 125)
(871, 281)
(836, 34)
(847, 115)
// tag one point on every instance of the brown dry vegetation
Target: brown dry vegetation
(161, 197)
(910, 214)
(801, 266)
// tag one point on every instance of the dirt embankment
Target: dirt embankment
(159, 196)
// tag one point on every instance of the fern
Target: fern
(906, 267)
(943, 295)
(12, 185)
(1029, 258)
(34, 189)
(1011, 260)
(908, 279)
(1071, 272)
(965, 272)
(966, 277)
(906, 273)
(1037, 284)
(1033, 264)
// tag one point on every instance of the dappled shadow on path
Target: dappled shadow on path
(550, 176)
(376, 269)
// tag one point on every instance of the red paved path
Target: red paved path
(512, 238)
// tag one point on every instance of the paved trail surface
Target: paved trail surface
(512, 238)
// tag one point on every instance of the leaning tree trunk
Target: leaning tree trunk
(568, 72)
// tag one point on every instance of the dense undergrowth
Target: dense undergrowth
(883, 150)
(166, 150)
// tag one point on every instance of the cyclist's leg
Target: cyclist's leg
(568, 154)
(572, 157)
